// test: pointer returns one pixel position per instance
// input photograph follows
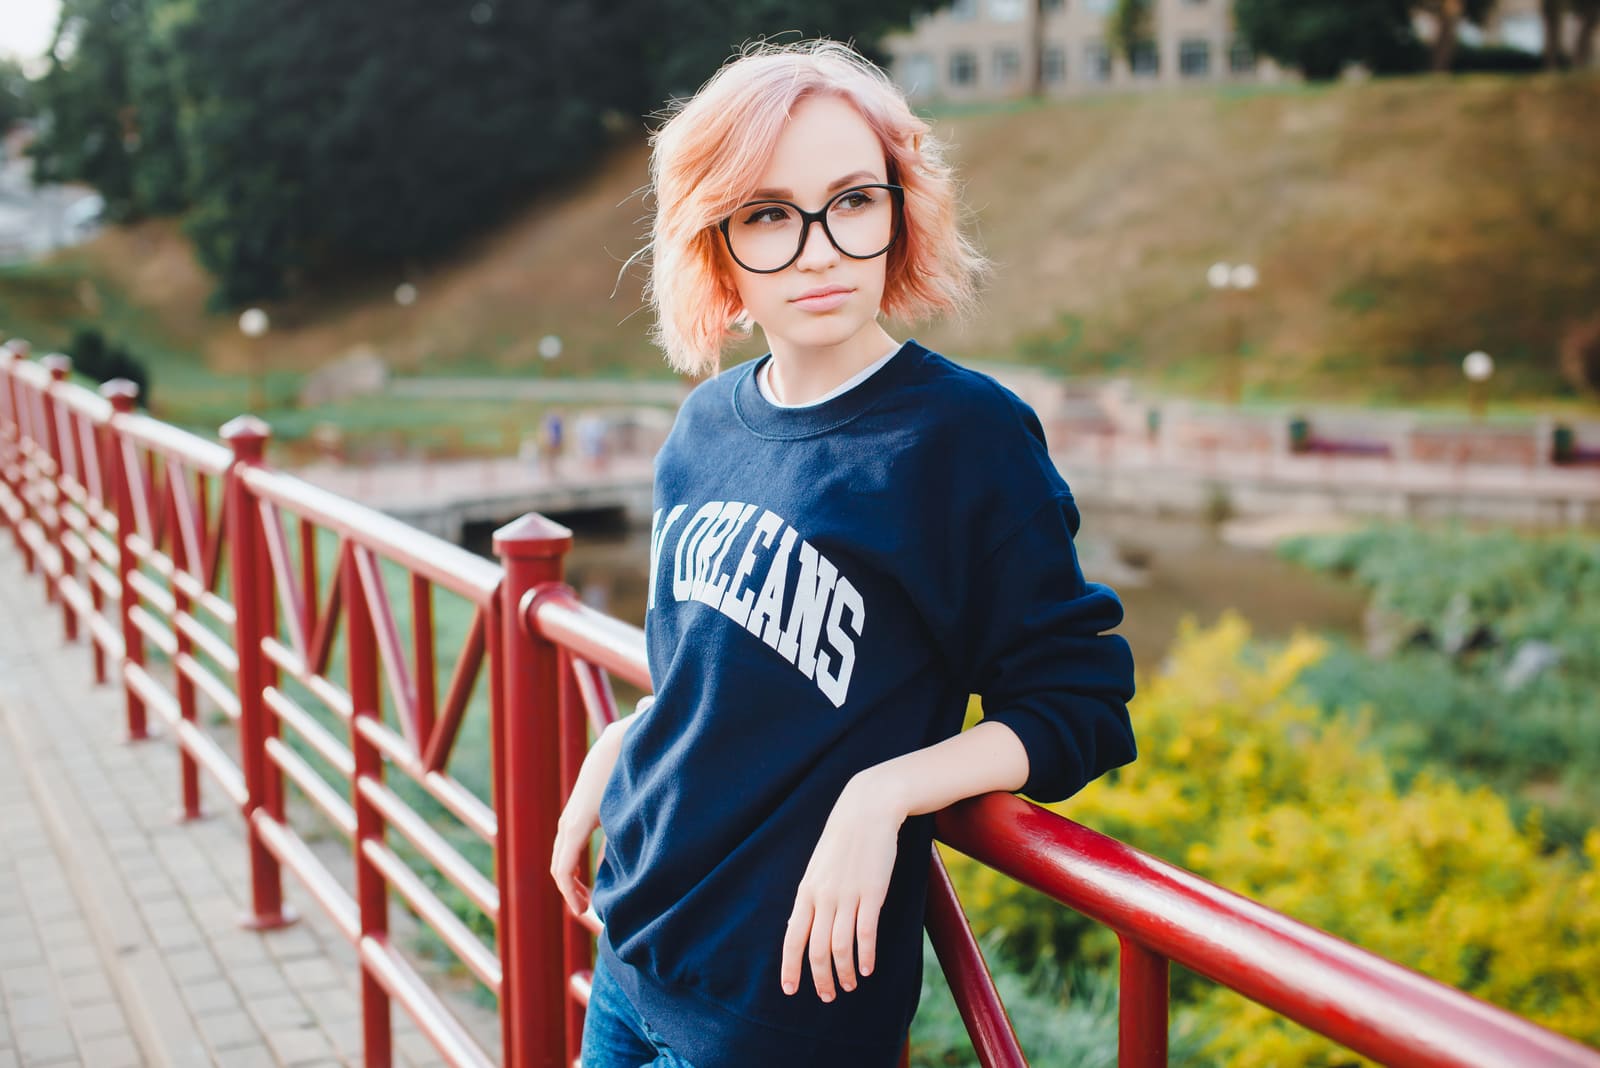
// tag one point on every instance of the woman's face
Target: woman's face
(826, 147)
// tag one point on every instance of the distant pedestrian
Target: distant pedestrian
(552, 441)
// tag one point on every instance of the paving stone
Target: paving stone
(301, 1046)
(45, 1045)
(99, 1020)
(314, 974)
(86, 989)
(225, 1030)
(119, 1052)
(212, 996)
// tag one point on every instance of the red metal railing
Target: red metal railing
(129, 521)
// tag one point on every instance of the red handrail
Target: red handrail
(113, 508)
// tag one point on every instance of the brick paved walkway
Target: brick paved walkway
(119, 940)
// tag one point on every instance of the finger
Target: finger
(794, 945)
(867, 934)
(822, 952)
(844, 945)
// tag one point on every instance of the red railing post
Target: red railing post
(102, 439)
(121, 393)
(58, 366)
(365, 703)
(1143, 1009)
(573, 738)
(247, 559)
(12, 353)
(532, 929)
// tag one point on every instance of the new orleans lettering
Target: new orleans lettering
(825, 611)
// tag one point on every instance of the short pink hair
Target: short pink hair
(709, 156)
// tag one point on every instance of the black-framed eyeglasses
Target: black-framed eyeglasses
(862, 222)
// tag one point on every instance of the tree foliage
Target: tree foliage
(16, 94)
(1130, 24)
(1321, 37)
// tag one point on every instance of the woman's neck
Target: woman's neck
(799, 376)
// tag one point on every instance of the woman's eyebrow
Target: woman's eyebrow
(834, 186)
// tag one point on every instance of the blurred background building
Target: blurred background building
(991, 49)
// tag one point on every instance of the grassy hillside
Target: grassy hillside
(1396, 224)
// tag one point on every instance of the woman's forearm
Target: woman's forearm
(982, 759)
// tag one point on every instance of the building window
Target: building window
(1007, 69)
(963, 68)
(1007, 10)
(1194, 58)
(1194, 3)
(1096, 62)
(918, 74)
(1146, 60)
(1055, 65)
(1241, 57)
(964, 10)
(1050, 7)
(1099, 7)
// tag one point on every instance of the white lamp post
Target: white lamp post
(1240, 278)
(1478, 367)
(253, 324)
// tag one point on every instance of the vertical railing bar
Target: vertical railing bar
(1142, 1015)
(371, 896)
(121, 394)
(426, 691)
(533, 919)
(572, 732)
(247, 436)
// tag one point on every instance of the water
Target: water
(1164, 568)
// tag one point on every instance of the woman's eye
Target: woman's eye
(772, 213)
(856, 198)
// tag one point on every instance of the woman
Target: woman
(851, 535)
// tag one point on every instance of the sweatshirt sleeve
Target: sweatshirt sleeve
(1044, 662)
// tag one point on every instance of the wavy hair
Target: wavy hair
(709, 155)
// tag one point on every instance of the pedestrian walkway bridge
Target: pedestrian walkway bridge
(227, 694)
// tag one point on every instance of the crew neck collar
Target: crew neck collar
(766, 419)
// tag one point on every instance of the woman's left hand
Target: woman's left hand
(842, 892)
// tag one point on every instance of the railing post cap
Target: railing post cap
(121, 392)
(532, 535)
(58, 364)
(247, 434)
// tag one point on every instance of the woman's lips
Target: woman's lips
(824, 302)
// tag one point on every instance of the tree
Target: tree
(1588, 22)
(670, 47)
(1447, 18)
(109, 109)
(1555, 13)
(16, 94)
(83, 97)
(1130, 24)
(1321, 37)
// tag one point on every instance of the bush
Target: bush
(1245, 782)
(93, 357)
(1473, 604)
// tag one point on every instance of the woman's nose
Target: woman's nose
(816, 249)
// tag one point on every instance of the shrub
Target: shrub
(1245, 782)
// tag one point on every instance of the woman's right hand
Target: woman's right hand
(581, 816)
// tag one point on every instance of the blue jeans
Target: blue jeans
(615, 1035)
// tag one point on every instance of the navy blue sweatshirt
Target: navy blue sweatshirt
(828, 584)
